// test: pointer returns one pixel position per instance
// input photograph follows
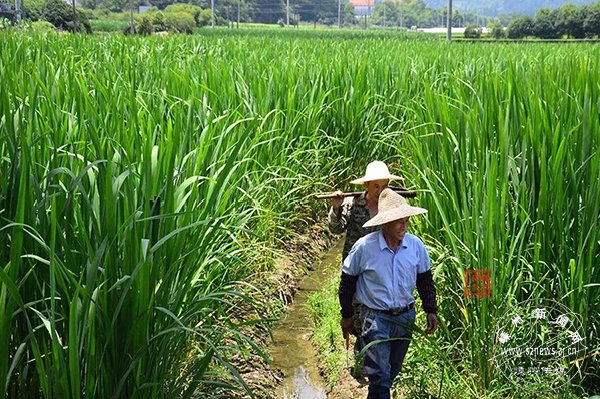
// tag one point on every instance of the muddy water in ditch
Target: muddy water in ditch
(292, 351)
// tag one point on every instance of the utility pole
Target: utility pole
(212, 13)
(384, 19)
(287, 13)
(449, 32)
(401, 16)
(131, 25)
(238, 16)
(74, 17)
(339, 14)
(18, 11)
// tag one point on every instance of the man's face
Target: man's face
(396, 229)
(375, 187)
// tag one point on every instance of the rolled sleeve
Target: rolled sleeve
(352, 264)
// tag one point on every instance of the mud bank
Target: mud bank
(279, 288)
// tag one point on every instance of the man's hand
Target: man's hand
(337, 201)
(432, 323)
(346, 325)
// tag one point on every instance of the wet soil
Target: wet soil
(292, 352)
(283, 286)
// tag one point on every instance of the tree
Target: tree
(496, 30)
(472, 32)
(591, 22)
(162, 4)
(190, 9)
(317, 10)
(60, 14)
(143, 26)
(348, 16)
(7, 13)
(157, 19)
(545, 24)
(115, 5)
(179, 22)
(570, 20)
(413, 13)
(204, 19)
(327, 11)
(458, 19)
(227, 9)
(386, 14)
(32, 9)
(519, 28)
(91, 4)
(267, 11)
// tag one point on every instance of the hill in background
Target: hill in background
(495, 7)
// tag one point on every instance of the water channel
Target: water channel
(292, 351)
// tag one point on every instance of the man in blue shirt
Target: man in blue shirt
(382, 269)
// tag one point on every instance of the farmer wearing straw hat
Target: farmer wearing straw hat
(350, 214)
(383, 268)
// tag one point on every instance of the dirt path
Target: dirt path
(348, 388)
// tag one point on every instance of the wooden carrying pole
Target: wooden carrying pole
(402, 191)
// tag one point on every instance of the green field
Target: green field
(145, 182)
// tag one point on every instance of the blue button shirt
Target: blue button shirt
(386, 280)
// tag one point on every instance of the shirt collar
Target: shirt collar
(383, 244)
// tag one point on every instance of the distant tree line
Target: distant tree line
(567, 21)
(408, 13)
(261, 11)
(405, 13)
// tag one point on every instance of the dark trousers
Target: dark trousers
(383, 360)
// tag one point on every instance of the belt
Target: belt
(398, 311)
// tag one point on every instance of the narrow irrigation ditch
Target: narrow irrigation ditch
(292, 351)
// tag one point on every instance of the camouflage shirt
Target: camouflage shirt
(353, 215)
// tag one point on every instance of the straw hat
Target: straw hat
(376, 170)
(392, 206)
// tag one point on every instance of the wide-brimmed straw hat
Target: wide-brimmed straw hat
(392, 206)
(376, 170)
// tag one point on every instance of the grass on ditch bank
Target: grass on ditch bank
(327, 336)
